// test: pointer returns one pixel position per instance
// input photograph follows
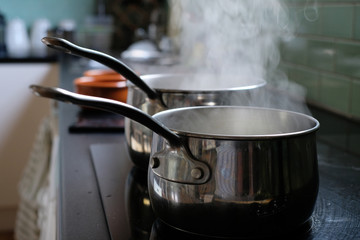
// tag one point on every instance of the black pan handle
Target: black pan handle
(111, 106)
(107, 60)
(191, 171)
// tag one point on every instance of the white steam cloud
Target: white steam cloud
(236, 37)
(232, 36)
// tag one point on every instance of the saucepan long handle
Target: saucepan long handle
(111, 106)
(107, 60)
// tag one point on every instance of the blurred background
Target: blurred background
(105, 25)
(320, 53)
(114, 21)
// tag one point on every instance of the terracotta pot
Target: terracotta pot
(111, 86)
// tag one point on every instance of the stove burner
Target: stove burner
(162, 231)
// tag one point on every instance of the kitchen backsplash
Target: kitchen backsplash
(53, 10)
(324, 55)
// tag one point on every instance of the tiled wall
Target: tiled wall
(324, 56)
(53, 10)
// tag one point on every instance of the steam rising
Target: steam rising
(241, 38)
(232, 36)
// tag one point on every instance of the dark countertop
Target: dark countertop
(82, 202)
(80, 212)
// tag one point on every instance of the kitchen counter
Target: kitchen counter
(94, 168)
(80, 211)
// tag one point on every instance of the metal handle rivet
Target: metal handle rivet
(197, 173)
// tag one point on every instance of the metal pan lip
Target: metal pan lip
(259, 83)
(252, 137)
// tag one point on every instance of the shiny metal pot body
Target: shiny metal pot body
(264, 173)
(173, 95)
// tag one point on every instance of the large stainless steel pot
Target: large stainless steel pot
(225, 171)
(178, 90)
(264, 172)
(154, 93)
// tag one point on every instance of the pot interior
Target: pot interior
(200, 82)
(236, 122)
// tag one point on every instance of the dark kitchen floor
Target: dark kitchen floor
(7, 235)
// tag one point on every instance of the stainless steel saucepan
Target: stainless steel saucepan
(157, 92)
(264, 172)
(225, 171)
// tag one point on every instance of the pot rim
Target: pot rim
(254, 137)
(259, 83)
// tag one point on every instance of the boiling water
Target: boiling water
(239, 122)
